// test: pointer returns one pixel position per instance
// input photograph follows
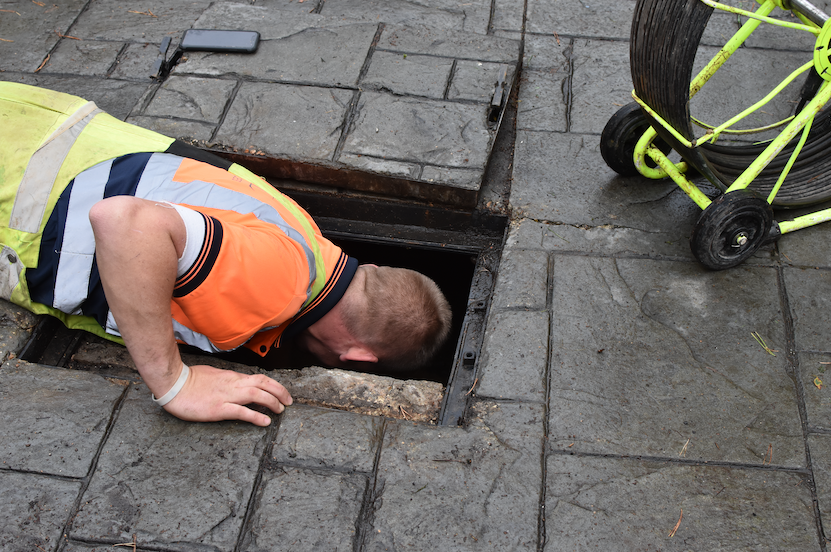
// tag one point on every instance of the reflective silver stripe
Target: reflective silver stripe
(111, 327)
(183, 333)
(78, 248)
(157, 184)
(42, 170)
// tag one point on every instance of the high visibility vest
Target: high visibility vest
(47, 139)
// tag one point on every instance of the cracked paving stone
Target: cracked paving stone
(175, 484)
(623, 504)
(657, 359)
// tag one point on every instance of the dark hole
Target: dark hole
(452, 271)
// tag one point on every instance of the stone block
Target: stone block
(507, 15)
(623, 504)
(657, 358)
(522, 281)
(137, 62)
(611, 19)
(34, 510)
(286, 121)
(514, 355)
(381, 166)
(542, 105)
(408, 129)
(174, 484)
(408, 74)
(360, 393)
(305, 510)
(809, 247)
(320, 438)
(439, 15)
(476, 81)
(465, 179)
(461, 489)
(450, 44)
(813, 369)
(602, 82)
(808, 294)
(54, 419)
(29, 32)
(84, 57)
(142, 21)
(322, 56)
(191, 98)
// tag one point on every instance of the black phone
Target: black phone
(211, 40)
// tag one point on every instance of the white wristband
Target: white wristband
(170, 395)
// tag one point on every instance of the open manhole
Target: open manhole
(458, 248)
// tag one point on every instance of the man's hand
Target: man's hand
(211, 395)
(137, 246)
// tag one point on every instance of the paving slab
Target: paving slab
(807, 291)
(170, 482)
(624, 504)
(564, 17)
(657, 359)
(29, 31)
(34, 510)
(147, 21)
(305, 510)
(285, 120)
(16, 326)
(53, 419)
(460, 489)
(322, 438)
(471, 16)
(514, 356)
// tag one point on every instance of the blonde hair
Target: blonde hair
(400, 314)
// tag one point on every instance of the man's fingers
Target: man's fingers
(272, 387)
(264, 398)
(245, 414)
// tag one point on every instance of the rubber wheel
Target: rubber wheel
(621, 135)
(731, 229)
(664, 41)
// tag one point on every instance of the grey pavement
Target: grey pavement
(620, 400)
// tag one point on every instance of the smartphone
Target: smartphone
(209, 40)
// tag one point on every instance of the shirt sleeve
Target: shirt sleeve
(248, 276)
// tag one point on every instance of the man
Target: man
(119, 231)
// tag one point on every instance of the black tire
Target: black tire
(664, 41)
(621, 135)
(731, 229)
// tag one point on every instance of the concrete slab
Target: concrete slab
(34, 510)
(170, 482)
(657, 359)
(563, 17)
(636, 505)
(457, 489)
(325, 56)
(193, 98)
(298, 122)
(305, 510)
(472, 17)
(143, 21)
(408, 74)
(322, 438)
(514, 356)
(29, 31)
(53, 420)
(16, 326)
(84, 57)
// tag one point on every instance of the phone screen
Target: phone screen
(210, 40)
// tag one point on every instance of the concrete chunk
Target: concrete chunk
(54, 419)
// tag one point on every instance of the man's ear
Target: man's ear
(358, 353)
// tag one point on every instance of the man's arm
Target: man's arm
(137, 246)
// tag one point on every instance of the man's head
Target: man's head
(392, 316)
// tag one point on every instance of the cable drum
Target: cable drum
(664, 40)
